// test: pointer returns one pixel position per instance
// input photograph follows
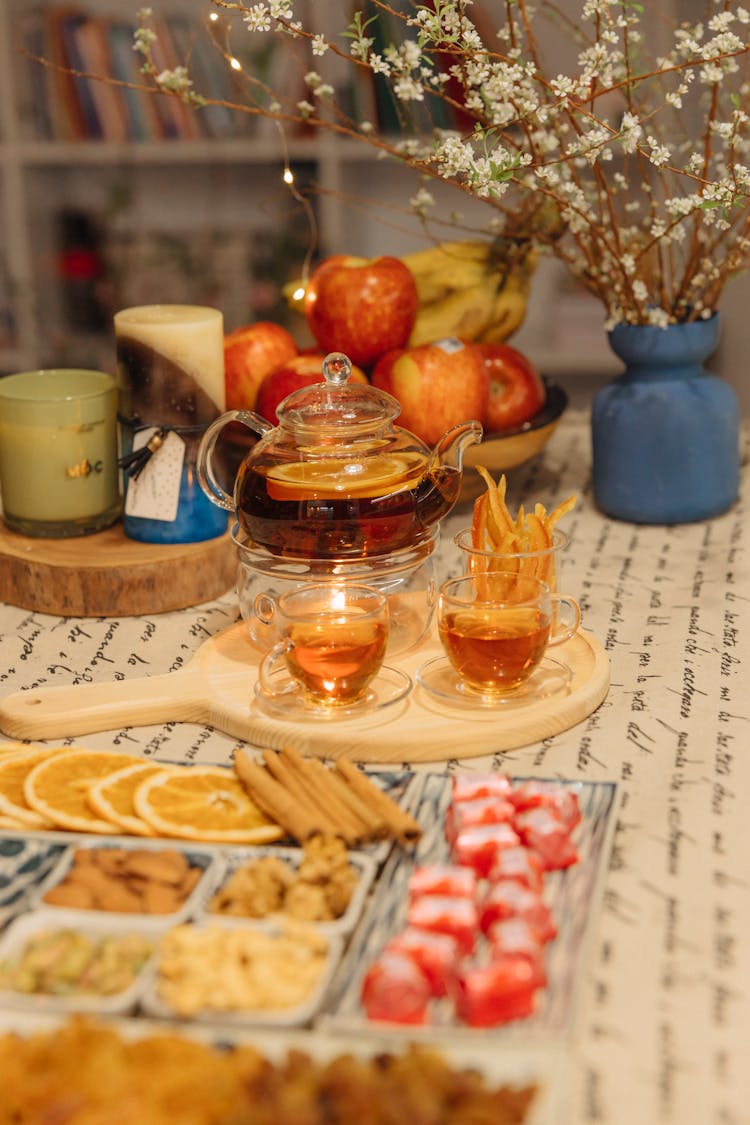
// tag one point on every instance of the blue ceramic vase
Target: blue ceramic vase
(665, 433)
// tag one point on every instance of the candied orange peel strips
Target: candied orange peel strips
(524, 542)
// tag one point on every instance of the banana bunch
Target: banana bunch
(475, 290)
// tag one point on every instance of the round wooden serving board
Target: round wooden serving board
(109, 575)
(216, 689)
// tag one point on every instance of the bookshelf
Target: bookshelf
(99, 192)
(197, 211)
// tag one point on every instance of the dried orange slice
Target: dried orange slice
(112, 797)
(14, 823)
(8, 748)
(339, 476)
(203, 803)
(57, 788)
(14, 769)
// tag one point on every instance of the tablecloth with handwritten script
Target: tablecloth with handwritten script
(664, 1033)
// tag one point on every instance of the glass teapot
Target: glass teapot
(336, 478)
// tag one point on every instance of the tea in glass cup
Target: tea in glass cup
(496, 627)
(332, 643)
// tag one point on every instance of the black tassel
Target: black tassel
(134, 463)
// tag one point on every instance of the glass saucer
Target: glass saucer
(389, 686)
(439, 678)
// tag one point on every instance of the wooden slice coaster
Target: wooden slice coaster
(109, 575)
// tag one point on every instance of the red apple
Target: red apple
(517, 391)
(361, 306)
(438, 385)
(299, 371)
(250, 352)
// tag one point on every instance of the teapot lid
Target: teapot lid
(336, 403)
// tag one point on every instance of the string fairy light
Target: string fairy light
(288, 179)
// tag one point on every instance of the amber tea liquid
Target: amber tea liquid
(495, 651)
(315, 521)
(334, 661)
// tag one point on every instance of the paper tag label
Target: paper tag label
(155, 495)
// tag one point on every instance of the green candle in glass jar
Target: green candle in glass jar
(58, 452)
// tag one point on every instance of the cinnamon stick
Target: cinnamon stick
(275, 801)
(313, 776)
(372, 820)
(322, 781)
(401, 824)
(295, 785)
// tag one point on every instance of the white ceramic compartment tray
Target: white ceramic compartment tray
(206, 859)
(301, 1015)
(23, 929)
(377, 908)
(364, 865)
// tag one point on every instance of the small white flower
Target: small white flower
(659, 154)
(258, 18)
(422, 201)
(176, 80)
(378, 65)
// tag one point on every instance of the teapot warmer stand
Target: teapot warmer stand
(216, 689)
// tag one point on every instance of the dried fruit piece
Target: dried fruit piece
(112, 797)
(57, 787)
(203, 804)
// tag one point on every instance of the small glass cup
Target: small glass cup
(541, 564)
(332, 641)
(495, 628)
(58, 452)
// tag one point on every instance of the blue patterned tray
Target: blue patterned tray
(573, 896)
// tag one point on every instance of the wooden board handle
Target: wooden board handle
(64, 712)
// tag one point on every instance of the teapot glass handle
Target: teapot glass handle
(204, 463)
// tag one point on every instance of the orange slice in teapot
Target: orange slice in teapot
(345, 477)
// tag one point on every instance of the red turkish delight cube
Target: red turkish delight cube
(522, 864)
(443, 879)
(482, 810)
(470, 786)
(396, 990)
(479, 846)
(495, 993)
(435, 954)
(515, 937)
(445, 915)
(540, 794)
(509, 899)
(542, 830)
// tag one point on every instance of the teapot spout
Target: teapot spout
(450, 449)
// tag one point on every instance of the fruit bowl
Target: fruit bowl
(506, 449)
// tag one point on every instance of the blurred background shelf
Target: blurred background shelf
(98, 216)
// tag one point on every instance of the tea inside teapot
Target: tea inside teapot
(336, 506)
